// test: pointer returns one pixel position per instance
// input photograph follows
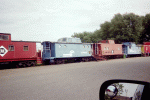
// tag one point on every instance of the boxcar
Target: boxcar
(106, 49)
(131, 49)
(66, 49)
(20, 53)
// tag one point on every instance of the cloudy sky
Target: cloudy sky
(49, 20)
(129, 89)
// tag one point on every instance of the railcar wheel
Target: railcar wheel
(20, 64)
(17, 65)
(24, 64)
(86, 59)
(83, 59)
(58, 61)
(33, 63)
(63, 61)
(29, 63)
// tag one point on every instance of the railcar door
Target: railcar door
(124, 49)
(46, 50)
(97, 49)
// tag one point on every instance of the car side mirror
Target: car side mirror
(124, 90)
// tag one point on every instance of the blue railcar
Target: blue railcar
(131, 49)
(66, 49)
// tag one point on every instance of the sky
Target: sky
(129, 89)
(49, 20)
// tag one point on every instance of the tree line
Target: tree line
(122, 28)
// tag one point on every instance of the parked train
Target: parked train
(24, 53)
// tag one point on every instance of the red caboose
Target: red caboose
(21, 53)
(146, 47)
(107, 48)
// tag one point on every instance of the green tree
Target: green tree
(105, 30)
(145, 36)
(81, 35)
(86, 37)
(96, 36)
(122, 28)
(120, 88)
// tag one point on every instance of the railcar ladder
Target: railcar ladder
(47, 47)
(96, 49)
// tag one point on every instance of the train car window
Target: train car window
(4, 37)
(47, 44)
(87, 46)
(25, 48)
(11, 48)
(118, 48)
(104, 48)
(83, 46)
(107, 48)
(112, 51)
(64, 39)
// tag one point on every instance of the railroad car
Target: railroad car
(107, 49)
(66, 49)
(20, 53)
(24, 53)
(131, 49)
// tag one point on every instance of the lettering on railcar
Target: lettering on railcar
(83, 52)
(68, 55)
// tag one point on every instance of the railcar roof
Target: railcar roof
(107, 43)
(146, 43)
(67, 42)
(25, 41)
(6, 33)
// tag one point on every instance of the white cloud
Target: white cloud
(52, 19)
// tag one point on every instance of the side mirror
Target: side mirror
(124, 90)
(111, 91)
